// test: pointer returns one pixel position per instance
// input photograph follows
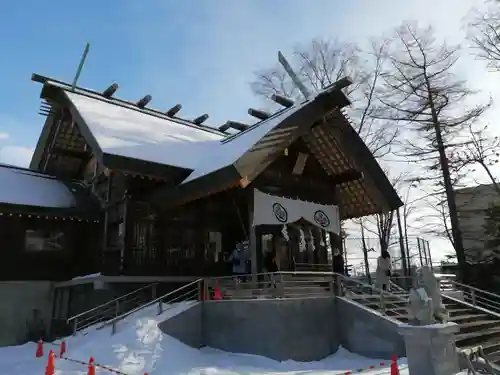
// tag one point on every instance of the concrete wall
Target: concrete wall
(187, 326)
(17, 301)
(368, 333)
(301, 329)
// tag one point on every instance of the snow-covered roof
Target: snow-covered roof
(132, 133)
(126, 131)
(230, 150)
(24, 187)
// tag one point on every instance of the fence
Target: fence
(391, 366)
(417, 249)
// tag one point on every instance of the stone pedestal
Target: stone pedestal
(431, 349)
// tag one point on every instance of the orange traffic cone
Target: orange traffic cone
(394, 366)
(62, 349)
(91, 370)
(217, 293)
(39, 349)
(50, 369)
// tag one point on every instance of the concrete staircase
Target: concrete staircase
(477, 326)
(283, 286)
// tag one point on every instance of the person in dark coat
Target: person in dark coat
(338, 262)
(270, 261)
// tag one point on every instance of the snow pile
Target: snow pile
(139, 346)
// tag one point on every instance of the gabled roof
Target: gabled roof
(125, 136)
(230, 150)
(240, 159)
(24, 190)
(146, 141)
(134, 134)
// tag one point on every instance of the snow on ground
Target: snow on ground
(139, 346)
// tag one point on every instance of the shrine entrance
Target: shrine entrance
(295, 230)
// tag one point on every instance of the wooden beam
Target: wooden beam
(300, 163)
(144, 101)
(261, 115)
(174, 110)
(282, 100)
(278, 178)
(110, 91)
(201, 119)
(237, 125)
(71, 153)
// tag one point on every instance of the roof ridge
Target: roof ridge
(123, 103)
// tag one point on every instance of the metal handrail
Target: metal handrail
(113, 301)
(314, 273)
(312, 266)
(474, 288)
(372, 287)
(397, 287)
(159, 300)
(478, 297)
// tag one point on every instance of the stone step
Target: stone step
(477, 337)
(494, 357)
(460, 311)
(479, 325)
(469, 318)
(305, 287)
(376, 304)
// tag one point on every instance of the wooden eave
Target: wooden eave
(215, 182)
(340, 150)
(48, 212)
(255, 160)
(111, 161)
(331, 139)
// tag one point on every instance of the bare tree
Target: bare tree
(484, 33)
(481, 150)
(321, 63)
(423, 95)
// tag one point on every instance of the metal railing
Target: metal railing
(291, 284)
(390, 304)
(313, 267)
(189, 292)
(300, 284)
(112, 308)
(475, 296)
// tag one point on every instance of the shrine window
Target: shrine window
(213, 248)
(36, 240)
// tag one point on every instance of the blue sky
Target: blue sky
(199, 53)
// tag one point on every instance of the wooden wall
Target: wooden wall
(76, 255)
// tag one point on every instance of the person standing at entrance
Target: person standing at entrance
(270, 261)
(238, 259)
(383, 273)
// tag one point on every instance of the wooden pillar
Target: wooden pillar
(201, 239)
(252, 236)
(106, 223)
(127, 237)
